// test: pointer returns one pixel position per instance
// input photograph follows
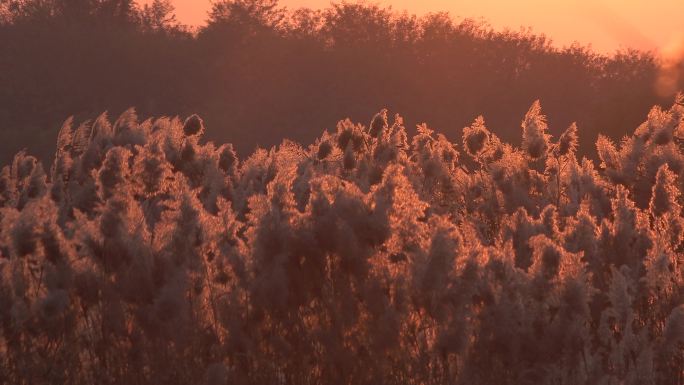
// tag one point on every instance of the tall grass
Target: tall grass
(145, 255)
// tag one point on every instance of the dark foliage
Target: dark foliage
(257, 73)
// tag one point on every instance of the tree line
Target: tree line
(258, 72)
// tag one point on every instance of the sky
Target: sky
(607, 25)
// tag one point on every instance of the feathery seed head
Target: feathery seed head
(193, 126)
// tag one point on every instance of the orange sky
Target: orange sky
(606, 24)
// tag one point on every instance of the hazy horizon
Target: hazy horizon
(607, 25)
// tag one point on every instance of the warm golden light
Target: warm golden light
(607, 25)
(437, 192)
(672, 63)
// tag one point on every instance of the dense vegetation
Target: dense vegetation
(257, 72)
(145, 255)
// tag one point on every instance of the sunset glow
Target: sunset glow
(307, 192)
(607, 25)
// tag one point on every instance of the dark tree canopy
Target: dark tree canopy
(258, 72)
